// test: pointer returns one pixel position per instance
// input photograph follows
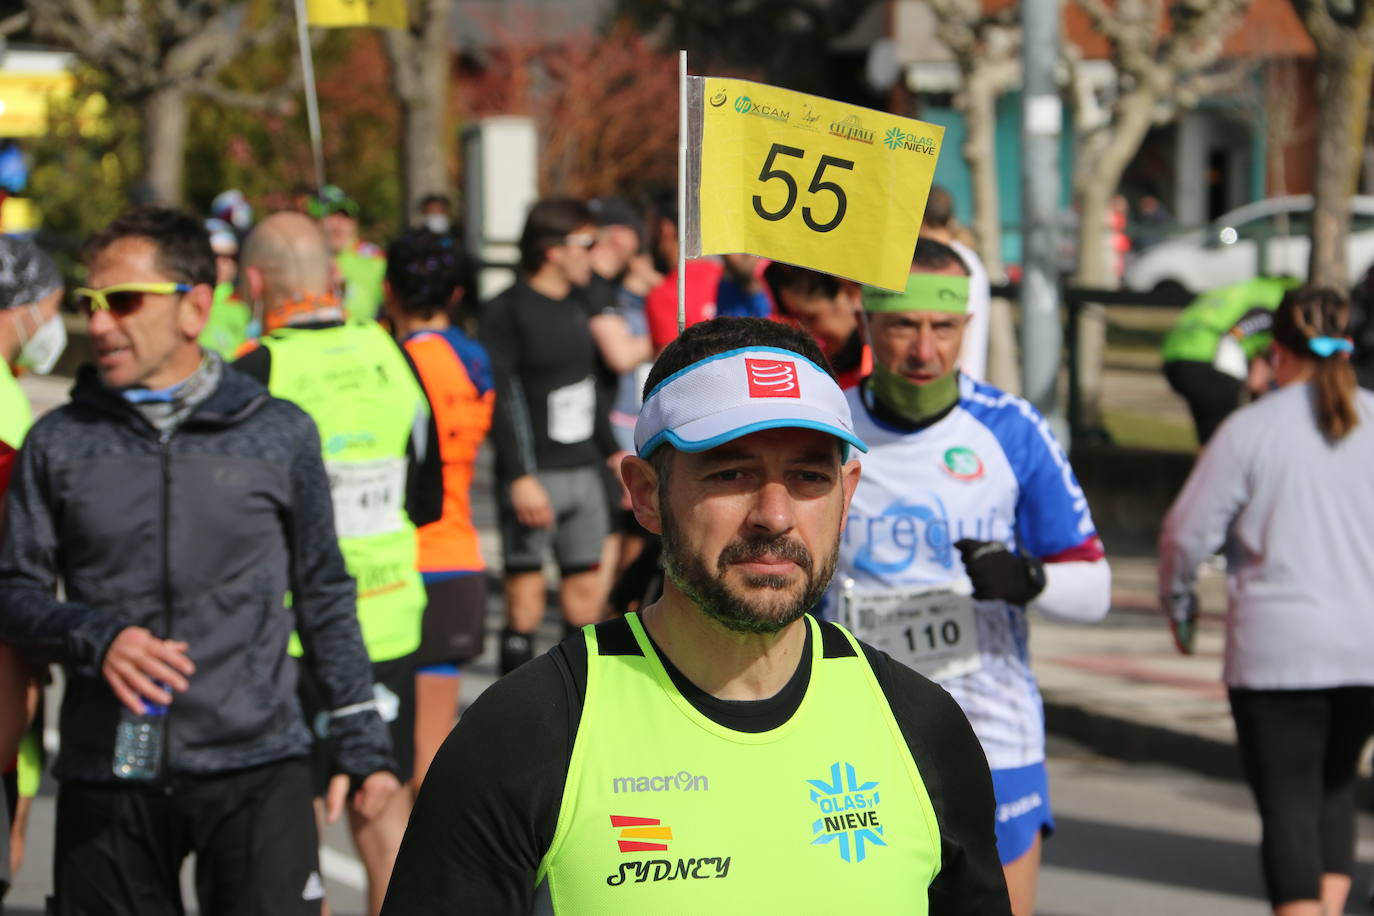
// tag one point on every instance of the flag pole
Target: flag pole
(681, 190)
(312, 105)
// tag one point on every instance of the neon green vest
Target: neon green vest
(15, 414)
(664, 811)
(362, 268)
(355, 383)
(226, 331)
(1200, 326)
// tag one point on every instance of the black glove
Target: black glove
(1000, 575)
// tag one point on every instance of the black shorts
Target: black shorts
(455, 621)
(394, 686)
(119, 848)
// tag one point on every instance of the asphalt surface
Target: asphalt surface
(1139, 839)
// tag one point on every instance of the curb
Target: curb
(1137, 742)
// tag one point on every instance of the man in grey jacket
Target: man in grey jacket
(179, 504)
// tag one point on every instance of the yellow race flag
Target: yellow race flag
(335, 14)
(804, 179)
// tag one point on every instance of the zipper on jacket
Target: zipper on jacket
(164, 441)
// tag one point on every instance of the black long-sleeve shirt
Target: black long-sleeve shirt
(550, 410)
(489, 806)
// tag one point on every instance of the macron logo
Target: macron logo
(772, 378)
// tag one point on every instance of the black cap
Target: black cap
(615, 211)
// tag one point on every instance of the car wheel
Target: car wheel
(1172, 290)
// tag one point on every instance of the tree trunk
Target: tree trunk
(420, 65)
(978, 104)
(1344, 70)
(164, 145)
(1094, 185)
(423, 163)
(980, 153)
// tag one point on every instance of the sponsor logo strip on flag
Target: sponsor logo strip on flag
(331, 14)
(807, 180)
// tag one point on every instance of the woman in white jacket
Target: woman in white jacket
(1287, 485)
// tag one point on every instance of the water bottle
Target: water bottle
(138, 742)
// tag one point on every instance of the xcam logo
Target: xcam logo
(746, 105)
(772, 378)
(849, 813)
(682, 782)
(641, 834)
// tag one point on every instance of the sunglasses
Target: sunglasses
(580, 240)
(123, 299)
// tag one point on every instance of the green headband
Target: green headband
(924, 293)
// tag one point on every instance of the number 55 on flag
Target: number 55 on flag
(806, 180)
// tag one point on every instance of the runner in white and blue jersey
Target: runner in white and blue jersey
(966, 514)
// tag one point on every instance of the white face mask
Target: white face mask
(41, 352)
(437, 223)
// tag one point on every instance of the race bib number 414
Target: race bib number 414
(929, 629)
(369, 496)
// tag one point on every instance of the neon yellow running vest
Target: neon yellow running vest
(15, 415)
(665, 811)
(363, 268)
(226, 331)
(354, 382)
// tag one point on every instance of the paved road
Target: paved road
(1142, 840)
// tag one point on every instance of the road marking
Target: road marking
(343, 868)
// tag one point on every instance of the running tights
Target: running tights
(1300, 749)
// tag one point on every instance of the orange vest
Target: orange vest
(462, 417)
(860, 372)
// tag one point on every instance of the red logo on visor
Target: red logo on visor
(772, 378)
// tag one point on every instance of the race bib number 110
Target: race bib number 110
(929, 629)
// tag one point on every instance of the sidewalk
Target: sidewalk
(1121, 687)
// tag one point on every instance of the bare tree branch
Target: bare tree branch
(280, 100)
(14, 23)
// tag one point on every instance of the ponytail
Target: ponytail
(1313, 322)
(1335, 382)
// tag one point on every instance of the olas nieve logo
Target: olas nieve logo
(896, 138)
(849, 813)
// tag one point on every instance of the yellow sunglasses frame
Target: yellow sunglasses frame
(100, 303)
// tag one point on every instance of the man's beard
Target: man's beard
(768, 613)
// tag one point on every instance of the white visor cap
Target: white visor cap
(738, 392)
